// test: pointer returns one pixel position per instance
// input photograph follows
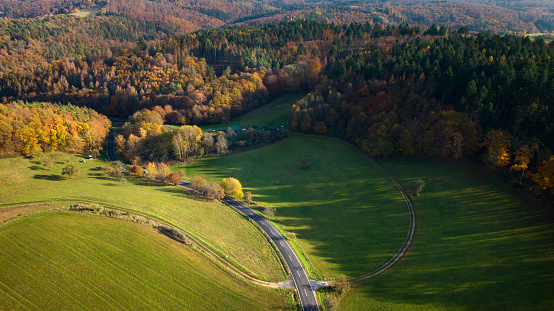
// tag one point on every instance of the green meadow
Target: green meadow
(72, 261)
(224, 230)
(347, 216)
(479, 245)
(272, 114)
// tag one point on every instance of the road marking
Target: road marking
(290, 258)
(305, 293)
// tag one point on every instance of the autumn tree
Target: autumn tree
(320, 127)
(163, 170)
(497, 143)
(306, 122)
(151, 170)
(70, 171)
(135, 169)
(232, 187)
(544, 177)
(523, 156)
(215, 191)
(221, 144)
(199, 183)
(173, 178)
(115, 169)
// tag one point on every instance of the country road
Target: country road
(302, 283)
(300, 278)
(304, 286)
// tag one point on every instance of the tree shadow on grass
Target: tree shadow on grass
(50, 177)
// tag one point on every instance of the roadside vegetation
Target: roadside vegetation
(120, 265)
(479, 245)
(341, 210)
(225, 231)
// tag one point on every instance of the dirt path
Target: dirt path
(411, 230)
(7, 213)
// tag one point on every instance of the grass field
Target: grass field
(72, 261)
(91, 12)
(479, 245)
(25, 180)
(347, 216)
(272, 114)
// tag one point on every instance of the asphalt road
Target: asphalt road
(299, 276)
(110, 148)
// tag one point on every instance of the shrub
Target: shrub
(248, 197)
(135, 169)
(173, 178)
(71, 171)
(199, 183)
(416, 186)
(215, 191)
(174, 234)
(341, 284)
(269, 211)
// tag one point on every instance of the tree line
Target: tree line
(31, 128)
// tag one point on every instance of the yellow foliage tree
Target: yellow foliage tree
(151, 170)
(232, 187)
(497, 143)
(544, 176)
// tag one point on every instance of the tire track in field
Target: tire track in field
(70, 277)
(136, 276)
(173, 280)
(411, 230)
(14, 299)
(37, 273)
(123, 270)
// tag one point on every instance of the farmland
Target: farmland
(26, 180)
(71, 261)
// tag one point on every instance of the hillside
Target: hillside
(72, 261)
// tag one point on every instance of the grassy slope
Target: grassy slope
(24, 180)
(479, 246)
(71, 261)
(348, 217)
(272, 114)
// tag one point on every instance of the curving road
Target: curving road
(304, 286)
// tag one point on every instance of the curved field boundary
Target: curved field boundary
(411, 231)
(205, 249)
(110, 153)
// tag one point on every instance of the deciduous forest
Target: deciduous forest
(393, 89)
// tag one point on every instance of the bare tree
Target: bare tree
(221, 144)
